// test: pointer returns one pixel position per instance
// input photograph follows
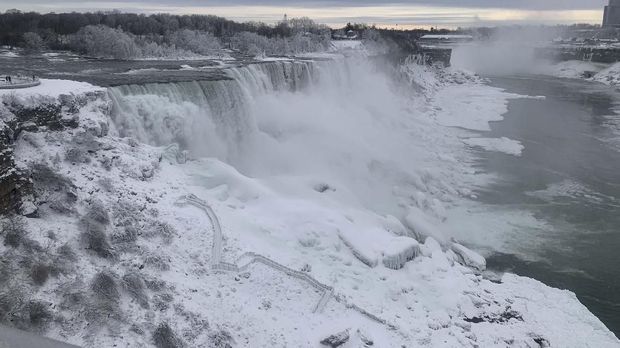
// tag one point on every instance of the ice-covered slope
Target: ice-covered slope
(312, 185)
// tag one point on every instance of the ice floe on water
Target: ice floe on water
(572, 190)
(505, 145)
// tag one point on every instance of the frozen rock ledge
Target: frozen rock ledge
(469, 257)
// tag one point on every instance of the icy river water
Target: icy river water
(569, 177)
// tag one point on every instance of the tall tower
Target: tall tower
(611, 16)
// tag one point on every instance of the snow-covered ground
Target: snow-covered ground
(574, 69)
(344, 184)
(52, 89)
(608, 74)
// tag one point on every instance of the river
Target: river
(569, 177)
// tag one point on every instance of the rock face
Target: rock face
(336, 340)
(33, 115)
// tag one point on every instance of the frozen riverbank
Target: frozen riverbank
(300, 167)
(608, 74)
(561, 193)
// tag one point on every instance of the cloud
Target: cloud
(503, 4)
(405, 13)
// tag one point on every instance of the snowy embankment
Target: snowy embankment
(573, 69)
(362, 211)
(608, 74)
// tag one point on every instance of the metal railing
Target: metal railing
(217, 264)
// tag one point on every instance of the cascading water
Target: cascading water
(212, 118)
(341, 122)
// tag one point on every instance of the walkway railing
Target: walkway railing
(251, 258)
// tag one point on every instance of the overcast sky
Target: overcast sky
(411, 13)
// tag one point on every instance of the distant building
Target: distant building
(611, 16)
(349, 35)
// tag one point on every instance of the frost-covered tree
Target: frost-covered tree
(105, 42)
(151, 49)
(306, 42)
(258, 45)
(252, 43)
(200, 42)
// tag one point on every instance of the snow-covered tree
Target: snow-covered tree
(106, 42)
(252, 43)
(32, 41)
(200, 42)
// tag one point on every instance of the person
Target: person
(34, 78)
(10, 79)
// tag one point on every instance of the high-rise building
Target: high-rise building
(611, 17)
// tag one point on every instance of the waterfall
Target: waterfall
(212, 118)
(274, 76)
(346, 123)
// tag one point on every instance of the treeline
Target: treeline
(127, 35)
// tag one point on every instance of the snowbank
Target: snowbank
(363, 245)
(574, 69)
(369, 246)
(399, 251)
(609, 76)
